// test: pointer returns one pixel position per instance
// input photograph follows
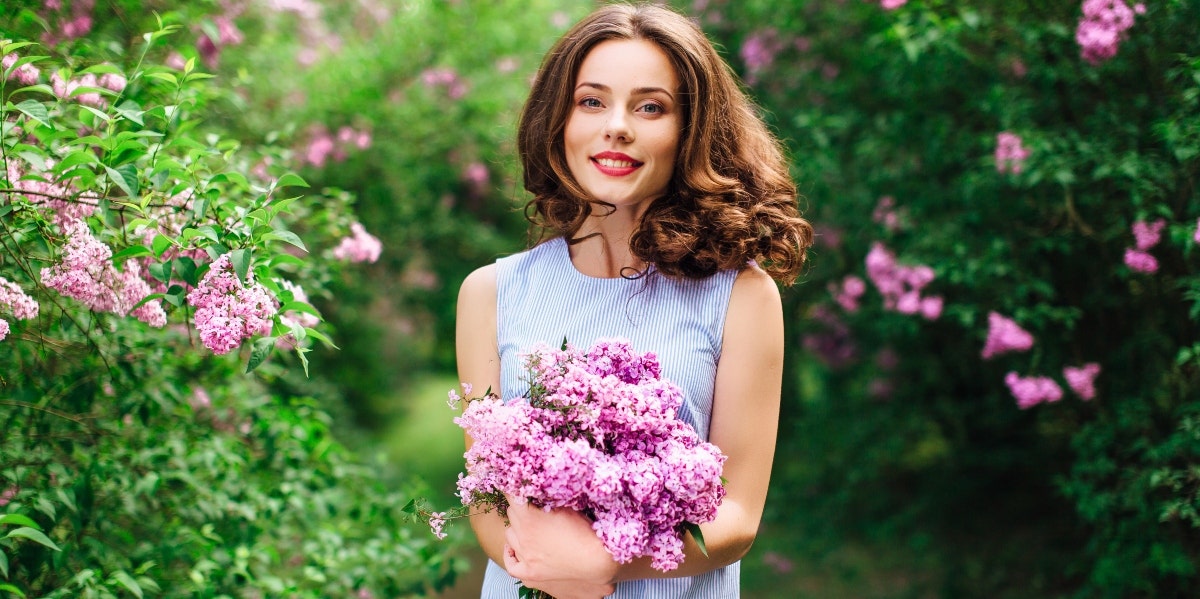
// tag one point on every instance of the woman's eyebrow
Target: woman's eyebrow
(640, 91)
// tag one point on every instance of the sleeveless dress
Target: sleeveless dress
(542, 297)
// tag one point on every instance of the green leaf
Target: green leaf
(240, 259)
(161, 271)
(133, 251)
(259, 352)
(33, 535)
(694, 529)
(410, 507)
(128, 582)
(185, 267)
(161, 244)
(124, 177)
(4, 564)
(148, 298)
(304, 307)
(12, 589)
(18, 520)
(285, 236)
(290, 180)
(34, 110)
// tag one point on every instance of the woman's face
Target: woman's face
(623, 132)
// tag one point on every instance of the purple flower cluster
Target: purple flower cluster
(360, 246)
(447, 79)
(1102, 27)
(1146, 235)
(1010, 154)
(62, 203)
(13, 297)
(26, 74)
(597, 433)
(1004, 336)
(1082, 380)
(1032, 390)
(227, 311)
(86, 273)
(901, 285)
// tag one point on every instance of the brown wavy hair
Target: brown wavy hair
(730, 199)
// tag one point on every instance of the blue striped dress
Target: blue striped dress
(542, 297)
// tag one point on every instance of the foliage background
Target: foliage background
(905, 467)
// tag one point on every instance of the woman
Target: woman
(667, 214)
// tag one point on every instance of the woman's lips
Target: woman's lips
(614, 164)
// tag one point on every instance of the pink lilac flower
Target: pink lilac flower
(113, 81)
(1081, 380)
(227, 311)
(1004, 336)
(26, 74)
(892, 4)
(1102, 28)
(64, 89)
(446, 79)
(199, 399)
(476, 175)
(69, 26)
(759, 50)
(1010, 155)
(597, 431)
(8, 495)
(848, 293)
(86, 273)
(360, 246)
(1140, 261)
(14, 298)
(4, 328)
(901, 285)
(1148, 234)
(886, 214)
(1033, 390)
(1196, 235)
(437, 521)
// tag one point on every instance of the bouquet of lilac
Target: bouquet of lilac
(597, 433)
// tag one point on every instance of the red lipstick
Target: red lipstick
(615, 164)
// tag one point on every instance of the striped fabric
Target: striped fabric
(543, 298)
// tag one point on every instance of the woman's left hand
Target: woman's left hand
(556, 546)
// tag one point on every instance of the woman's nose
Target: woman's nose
(618, 127)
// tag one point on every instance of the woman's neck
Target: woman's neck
(603, 250)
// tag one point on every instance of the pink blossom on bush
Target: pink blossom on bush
(892, 4)
(114, 81)
(26, 74)
(886, 214)
(778, 563)
(1146, 234)
(1102, 27)
(827, 236)
(447, 79)
(86, 273)
(3, 329)
(63, 89)
(931, 307)
(359, 247)
(1140, 261)
(848, 293)
(900, 285)
(833, 344)
(63, 203)
(1010, 155)
(1196, 235)
(227, 311)
(1082, 380)
(1005, 336)
(14, 298)
(437, 521)
(758, 52)
(1033, 390)
(8, 495)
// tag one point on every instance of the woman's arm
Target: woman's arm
(479, 365)
(744, 422)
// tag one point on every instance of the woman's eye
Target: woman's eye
(590, 103)
(653, 108)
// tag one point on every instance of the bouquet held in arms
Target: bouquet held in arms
(598, 433)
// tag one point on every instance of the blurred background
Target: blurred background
(993, 360)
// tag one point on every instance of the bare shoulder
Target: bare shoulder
(478, 290)
(754, 290)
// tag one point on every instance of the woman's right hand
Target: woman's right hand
(557, 551)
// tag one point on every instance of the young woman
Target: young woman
(666, 215)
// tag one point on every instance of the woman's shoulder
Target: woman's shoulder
(479, 286)
(754, 289)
